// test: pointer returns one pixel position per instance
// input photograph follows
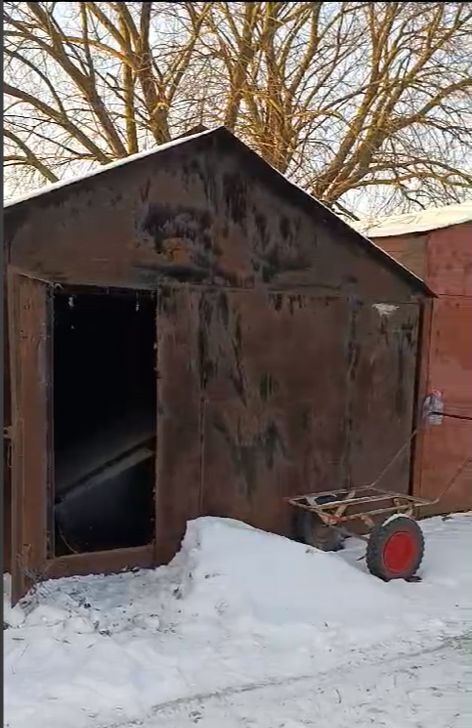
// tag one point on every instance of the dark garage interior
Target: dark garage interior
(104, 409)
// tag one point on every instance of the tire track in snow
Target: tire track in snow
(187, 710)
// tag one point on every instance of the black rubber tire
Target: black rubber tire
(313, 532)
(376, 545)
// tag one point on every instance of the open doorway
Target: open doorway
(104, 414)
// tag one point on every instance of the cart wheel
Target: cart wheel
(395, 549)
(314, 532)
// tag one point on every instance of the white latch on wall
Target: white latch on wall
(433, 408)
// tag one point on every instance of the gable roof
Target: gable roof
(272, 177)
(434, 218)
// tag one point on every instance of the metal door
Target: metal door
(28, 304)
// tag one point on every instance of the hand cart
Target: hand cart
(395, 547)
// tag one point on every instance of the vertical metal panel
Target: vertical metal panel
(410, 251)
(381, 393)
(6, 441)
(179, 413)
(422, 390)
(28, 303)
(450, 365)
(274, 415)
(451, 350)
(7, 503)
(266, 395)
(450, 371)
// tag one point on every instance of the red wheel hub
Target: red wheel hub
(399, 552)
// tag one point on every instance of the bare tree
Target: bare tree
(352, 100)
(93, 82)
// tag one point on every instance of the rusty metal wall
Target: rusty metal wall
(409, 251)
(27, 307)
(203, 214)
(450, 366)
(277, 370)
(448, 354)
(273, 395)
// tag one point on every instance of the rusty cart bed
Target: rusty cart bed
(395, 544)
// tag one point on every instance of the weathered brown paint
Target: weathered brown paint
(382, 393)
(203, 213)
(422, 386)
(276, 372)
(178, 425)
(27, 341)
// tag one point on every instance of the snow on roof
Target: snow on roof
(105, 167)
(417, 222)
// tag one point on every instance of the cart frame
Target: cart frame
(339, 511)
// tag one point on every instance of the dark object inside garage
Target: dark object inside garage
(104, 420)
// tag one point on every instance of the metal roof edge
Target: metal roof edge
(103, 169)
(367, 243)
(419, 222)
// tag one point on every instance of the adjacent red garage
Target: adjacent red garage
(437, 245)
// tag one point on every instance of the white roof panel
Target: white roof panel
(417, 222)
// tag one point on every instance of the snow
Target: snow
(394, 517)
(245, 628)
(420, 221)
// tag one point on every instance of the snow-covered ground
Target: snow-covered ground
(245, 628)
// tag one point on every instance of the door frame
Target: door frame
(30, 318)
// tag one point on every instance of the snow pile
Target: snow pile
(237, 608)
(231, 571)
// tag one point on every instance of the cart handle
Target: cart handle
(374, 483)
(451, 482)
(415, 432)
